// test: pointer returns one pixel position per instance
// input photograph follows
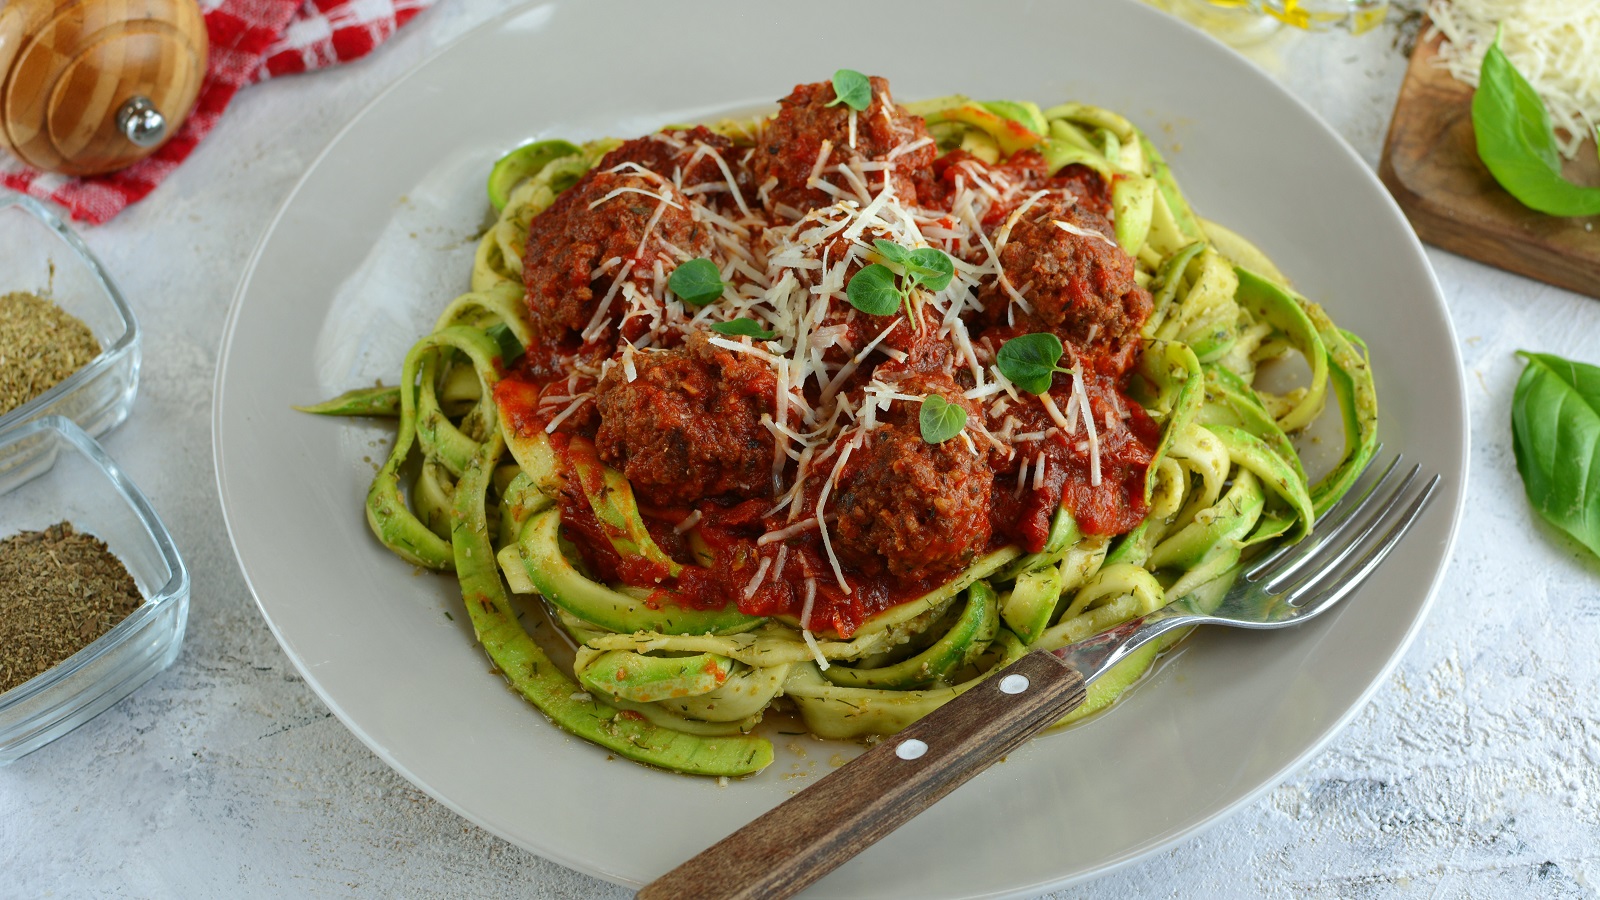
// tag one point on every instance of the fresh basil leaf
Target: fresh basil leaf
(872, 291)
(1555, 434)
(932, 268)
(1517, 145)
(696, 282)
(748, 327)
(852, 88)
(891, 252)
(1029, 361)
(940, 419)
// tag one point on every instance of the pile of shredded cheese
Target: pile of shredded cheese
(1555, 44)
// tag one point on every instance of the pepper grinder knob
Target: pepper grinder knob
(141, 122)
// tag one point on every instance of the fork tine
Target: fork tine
(1342, 545)
(1287, 560)
(1341, 584)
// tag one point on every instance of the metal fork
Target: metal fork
(780, 853)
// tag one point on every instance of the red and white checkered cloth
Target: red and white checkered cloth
(251, 41)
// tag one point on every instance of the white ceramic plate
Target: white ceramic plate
(377, 238)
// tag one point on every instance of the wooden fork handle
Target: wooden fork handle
(823, 826)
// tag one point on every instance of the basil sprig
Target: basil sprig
(851, 88)
(696, 282)
(1030, 361)
(747, 327)
(877, 292)
(1517, 145)
(940, 420)
(1555, 434)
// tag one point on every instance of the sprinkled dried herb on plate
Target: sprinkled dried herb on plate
(40, 345)
(60, 589)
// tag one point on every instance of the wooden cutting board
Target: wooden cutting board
(1430, 163)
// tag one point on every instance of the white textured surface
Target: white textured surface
(1474, 772)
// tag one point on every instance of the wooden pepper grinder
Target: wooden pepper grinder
(90, 86)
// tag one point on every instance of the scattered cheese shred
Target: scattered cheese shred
(783, 534)
(577, 403)
(822, 500)
(1070, 228)
(633, 190)
(1082, 395)
(805, 624)
(755, 581)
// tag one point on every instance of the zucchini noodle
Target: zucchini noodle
(468, 489)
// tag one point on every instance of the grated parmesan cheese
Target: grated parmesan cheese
(1555, 44)
(1070, 228)
(755, 581)
(689, 521)
(805, 624)
(783, 534)
(633, 190)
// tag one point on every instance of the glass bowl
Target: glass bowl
(39, 254)
(69, 477)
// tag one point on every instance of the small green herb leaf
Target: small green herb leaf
(1516, 144)
(891, 252)
(749, 327)
(1555, 434)
(696, 282)
(940, 419)
(872, 291)
(852, 88)
(931, 268)
(1029, 361)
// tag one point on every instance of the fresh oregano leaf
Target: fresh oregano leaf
(852, 88)
(1029, 361)
(696, 282)
(891, 252)
(1517, 145)
(746, 327)
(940, 419)
(1555, 434)
(872, 291)
(932, 268)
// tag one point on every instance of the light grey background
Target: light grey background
(1475, 771)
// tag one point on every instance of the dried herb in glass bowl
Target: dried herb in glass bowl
(60, 589)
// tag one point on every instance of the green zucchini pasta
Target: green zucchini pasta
(746, 469)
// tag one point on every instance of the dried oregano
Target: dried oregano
(60, 589)
(40, 345)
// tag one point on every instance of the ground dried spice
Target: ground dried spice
(59, 591)
(40, 345)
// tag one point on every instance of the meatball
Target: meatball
(1025, 500)
(787, 150)
(604, 216)
(1082, 284)
(908, 507)
(683, 156)
(688, 426)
